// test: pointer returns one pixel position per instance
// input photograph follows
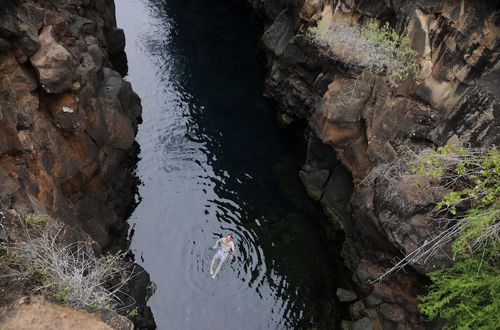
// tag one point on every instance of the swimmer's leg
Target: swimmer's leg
(212, 264)
(218, 268)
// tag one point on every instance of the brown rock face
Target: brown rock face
(36, 313)
(357, 118)
(67, 127)
(67, 119)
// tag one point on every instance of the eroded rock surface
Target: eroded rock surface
(67, 120)
(357, 120)
(37, 313)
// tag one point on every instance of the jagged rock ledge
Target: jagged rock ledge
(68, 122)
(357, 121)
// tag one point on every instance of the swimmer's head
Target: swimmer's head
(229, 237)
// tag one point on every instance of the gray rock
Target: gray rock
(314, 182)
(30, 19)
(346, 325)
(52, 63)
(4, 45)
(293, 51)
(8, 187)
(369, 312)
(363, 324)
(116, 45)
(345, 295)
(114, 96)
(115, 320)
(81, 25)
(372, 301)
(65, 113)
(319, 155)
(346, 104)
(116, 42)
(277, 36)
(476, 118)
(10, 142)
(28, 44)
(356, 309)
(337, 192)
(8, 23)
(393, 313)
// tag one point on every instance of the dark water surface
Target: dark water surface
(212, 162)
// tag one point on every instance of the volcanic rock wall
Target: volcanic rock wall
(357, 120)
(67, 118)
(67, 126)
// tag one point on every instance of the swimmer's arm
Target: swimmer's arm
(233, 250)
(217, 243)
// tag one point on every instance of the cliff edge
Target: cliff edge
(68, 121)
(358, 118)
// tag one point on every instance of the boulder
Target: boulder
(8, 187)
(30, 19)
(65, 112)
(363, 324)
(346, 296)
(114, 96)
(314, 182)
(53, 63)
(116, 46)
(10, 143)
(279, 33)
(345, 103)
(38, 313)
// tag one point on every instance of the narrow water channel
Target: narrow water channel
(212, 162)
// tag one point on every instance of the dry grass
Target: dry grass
(71, 274)
(444, 170)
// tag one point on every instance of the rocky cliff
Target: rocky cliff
(67, 118)
(357, 120)
(36, 312)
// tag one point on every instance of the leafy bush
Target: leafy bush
(474, 177)
(467, 295)
(468, 214)
(373, 48)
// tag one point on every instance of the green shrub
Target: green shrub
(467, 295)
(35, 219)
(380, 50)
(474, 177)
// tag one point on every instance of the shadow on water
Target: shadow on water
(214, 162)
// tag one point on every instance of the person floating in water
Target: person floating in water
(225, 245)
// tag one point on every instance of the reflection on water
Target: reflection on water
(213, 162)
